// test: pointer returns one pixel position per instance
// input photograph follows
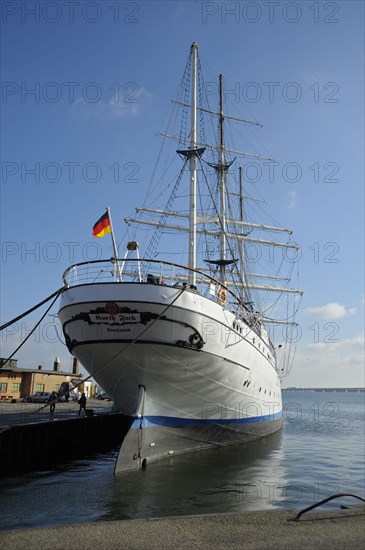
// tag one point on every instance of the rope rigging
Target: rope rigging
(55, 295)
(32, 309)
(153, 244)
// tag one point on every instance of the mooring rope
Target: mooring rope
(33, 308)
(118, 353)
(55, 295)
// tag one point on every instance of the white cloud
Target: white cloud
(292, 199)
(332, 310)
(127, 101)
(329, 364)
(124, 102)
(358, 340)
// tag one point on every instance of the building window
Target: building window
(39, 387)
(15, 386)
(3, 386)
(10, 364)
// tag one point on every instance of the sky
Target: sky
(85, 87)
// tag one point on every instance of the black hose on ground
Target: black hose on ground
(337, 495)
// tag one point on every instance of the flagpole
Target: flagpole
(114, 244)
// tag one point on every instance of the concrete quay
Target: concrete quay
(264, 530)
(25, 413)
(31, 438)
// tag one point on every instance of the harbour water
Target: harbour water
(320, 451)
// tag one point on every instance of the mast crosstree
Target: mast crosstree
(228, 232)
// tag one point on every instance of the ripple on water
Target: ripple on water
(318, 452)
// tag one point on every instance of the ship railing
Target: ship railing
(156, 272)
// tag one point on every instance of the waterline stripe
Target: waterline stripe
(147, 421)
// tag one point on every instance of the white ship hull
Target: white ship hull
(183, 367)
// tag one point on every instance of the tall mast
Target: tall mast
(192, 219)
(243, 231)
(241, 193)
(222, 176)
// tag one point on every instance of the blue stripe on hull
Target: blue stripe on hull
(147, 421)
(160, 441)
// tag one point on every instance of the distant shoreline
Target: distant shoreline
(325, 389)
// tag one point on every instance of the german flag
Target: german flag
(102, 226)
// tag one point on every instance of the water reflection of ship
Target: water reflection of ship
(236, 478)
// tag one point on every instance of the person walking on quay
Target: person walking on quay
(82, 403)
(52, 402)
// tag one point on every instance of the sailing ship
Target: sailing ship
(185, 348)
